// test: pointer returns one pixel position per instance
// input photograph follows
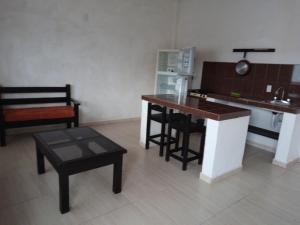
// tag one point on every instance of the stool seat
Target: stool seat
(158, 117)
(179, 123)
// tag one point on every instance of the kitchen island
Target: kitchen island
(287, 150)
(226, 132)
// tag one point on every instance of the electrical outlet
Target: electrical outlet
(269, 88)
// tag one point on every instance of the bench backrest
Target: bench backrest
(36, 100)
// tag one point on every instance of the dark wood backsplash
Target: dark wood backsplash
(220, 78)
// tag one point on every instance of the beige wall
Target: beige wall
(105, 48)
(215, 27)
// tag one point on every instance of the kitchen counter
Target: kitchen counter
(293, 108)
(198, 107)
(287, 150)
(226, 132)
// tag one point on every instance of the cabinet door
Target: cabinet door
(166, 84)
(186, 61)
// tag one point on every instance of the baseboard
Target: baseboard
(105, 122)
(285, 165)
(219, 178)
(25, 130)
(261, 146)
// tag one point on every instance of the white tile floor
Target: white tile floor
(154, 192)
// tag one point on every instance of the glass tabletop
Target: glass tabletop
(69, 152)
(81, 133)
(77, 143)
(54, 137)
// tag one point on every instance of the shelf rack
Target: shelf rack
(246, 50)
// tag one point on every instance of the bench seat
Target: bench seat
(17, 108)
(38, 113)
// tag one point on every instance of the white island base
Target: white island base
(288, 147)
(224, 148)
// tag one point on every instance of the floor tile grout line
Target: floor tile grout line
(251, 189)
(19, 203)
(166, 215)
(107, 213)
(271, 213)
(244, 199)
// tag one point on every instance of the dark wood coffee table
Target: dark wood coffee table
(72, 151)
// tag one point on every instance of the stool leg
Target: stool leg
(177, 140)
(168, 143)
(182, 145)
(162, 139)
(202, 144)
(148, 126)
(3, 137)
(186, 140)
(185, 149)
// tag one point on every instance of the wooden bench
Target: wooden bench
(14, 117)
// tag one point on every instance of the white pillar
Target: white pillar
(288, 147)
(143, 122)
(224, 148)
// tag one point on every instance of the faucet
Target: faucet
(277, 93)
(280, 101)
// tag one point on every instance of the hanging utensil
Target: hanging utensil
(243, 67)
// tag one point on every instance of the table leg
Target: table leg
(64, 193)
(117, 177)
(40, 161)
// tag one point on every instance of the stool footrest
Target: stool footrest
(180, 158)
(155, 136)
(151, 139)
(181, 148)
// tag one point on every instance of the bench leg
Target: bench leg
(76, 119)
(64, 193)
(117, 177)
(3, 137)
(69, 124)
(76, 122)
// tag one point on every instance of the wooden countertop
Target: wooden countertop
(293, 108)
(198, 107)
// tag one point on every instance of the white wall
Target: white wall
(215, 27)
(105, 48)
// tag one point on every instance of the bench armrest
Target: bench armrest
(75, 102)
(76, 110)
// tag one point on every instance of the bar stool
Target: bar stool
(161, 117)
(183, 124)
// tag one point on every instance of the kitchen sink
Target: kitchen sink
(278, 102)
